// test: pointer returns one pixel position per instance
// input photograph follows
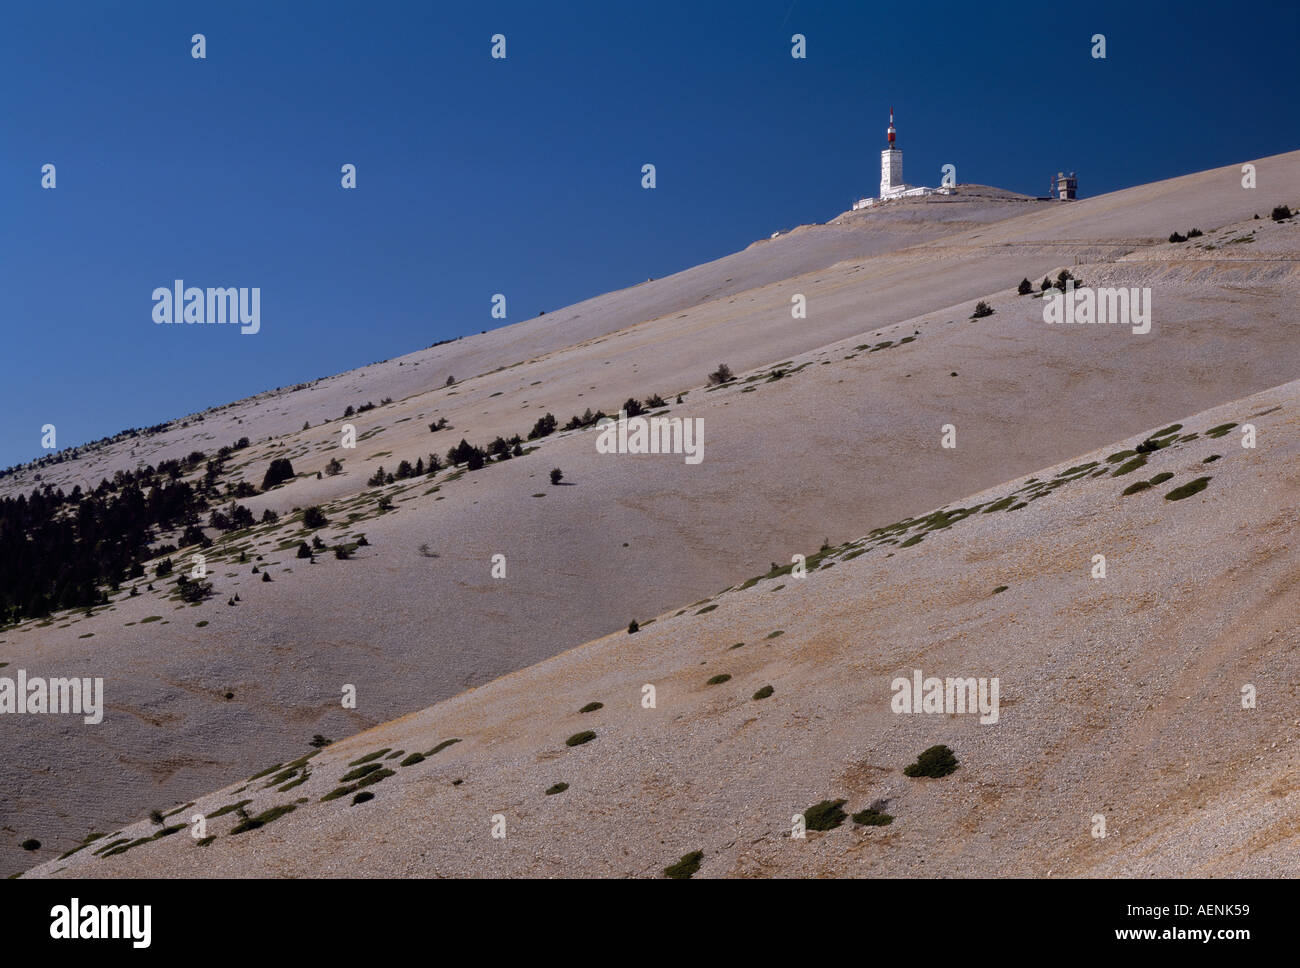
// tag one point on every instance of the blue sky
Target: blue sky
(522, 176)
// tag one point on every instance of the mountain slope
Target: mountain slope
(1120, 696)
(847, 439)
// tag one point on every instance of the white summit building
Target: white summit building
(891, 175)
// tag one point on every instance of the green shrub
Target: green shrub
(314, 517)
(577, 739)
(684, 868)
(442, 746)
(1000, 589)
(1160, 478)
(591, 707)
(362, 797)
(826, 815)
(1026, 287)
(764, 692)
(31, 844)
(281, 470)
(413, 759)
(719, 679)
(1136, 488)
(558, 788)
(982, 309)
(937, 761)
(873, 817)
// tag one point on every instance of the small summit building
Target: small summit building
(891, 174)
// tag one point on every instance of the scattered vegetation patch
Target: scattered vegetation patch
(1188, 489)
(362, 797)
(873, 817)
(684, 868)
(441, 746)
(558, 788)
(228, 808)
(359, 772)
(937, 761)
(591, 707)
(1000, 589)
(764, 692)
(413, 759)
(1220, 430)
(263, 818)
(719, 679)
(577, 739)
(370, 756)
(1130, 466)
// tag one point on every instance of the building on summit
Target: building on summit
(891, 175)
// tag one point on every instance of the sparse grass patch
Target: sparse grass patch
(1188, 489)
(441, 746)
(764, 692)
(719, 679)
(413, 759)
(359, 772)
(1130, 466)
(772, 635)
(1000, 589)
(577, 739)
(591, 707)
(1220, 430)
(370, 756)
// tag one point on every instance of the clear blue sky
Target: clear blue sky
(522, 176)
